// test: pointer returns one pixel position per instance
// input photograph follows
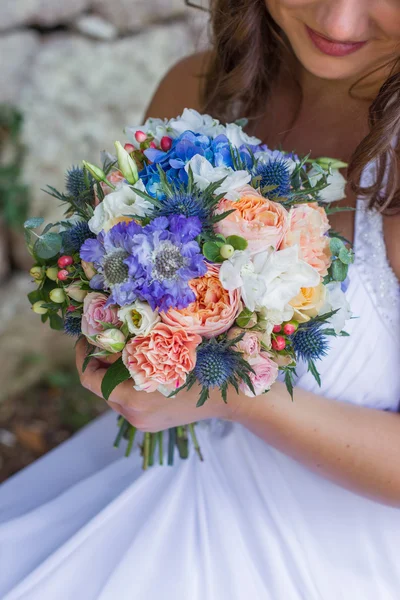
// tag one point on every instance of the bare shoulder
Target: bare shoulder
(180, 87)
(392, 239)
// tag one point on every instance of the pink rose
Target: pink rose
(114, 177)
(249, 344)
(260, 221)
(214, 310)
(94, 312)
(162, 358)
(308, 225)
(266, 372)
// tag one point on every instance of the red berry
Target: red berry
(140, 136)
(166, 143)
(63, 274)
(129, 148)
(277, 329)
(153, 145)
(71, 308)
(65, 261)
(289, 328)
(279, 343)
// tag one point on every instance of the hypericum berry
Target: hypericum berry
(63, 274)
(71, 308)
(279, 343)
(65, 261)
(57, 295)
(140, 136)
(226, 250)
(166, 143)
(52, 273)
(277, 329)
(129, 148)
(290, 328)
(37, 273)
(153, 145)
(38, 308)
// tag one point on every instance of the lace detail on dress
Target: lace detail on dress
(373, 265)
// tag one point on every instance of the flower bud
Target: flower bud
(226, 250)
(279, 343)
(112, 340)
(152, 145)
(38, 308)
(96, 172)
(57, 295)
(63, 274)
(88, 269)
(140, 136)
(52, 273)
(166, 143)
(129, 148)
(37, 273)
(277, 328)
(126, 164)
(290, 328)
(75, 291)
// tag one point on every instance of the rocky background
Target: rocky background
(77, 71)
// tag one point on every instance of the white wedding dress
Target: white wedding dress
(85, 523)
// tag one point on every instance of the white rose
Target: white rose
(204, 174)
(335, 190)
(139, 317)
(269, 279)
(336, 300)
(111, 340)
(122, 202)
(238, 137)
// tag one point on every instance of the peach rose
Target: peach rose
(260, 221)
(214, 310)
(162, 358)
(94, 313)
(308, 225)
(266, 372)
(308, 302)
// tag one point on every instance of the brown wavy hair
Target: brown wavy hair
(244, 65)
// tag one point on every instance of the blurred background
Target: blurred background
(73, 74)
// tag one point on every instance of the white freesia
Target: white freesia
(238, 137)
(204, 174)
(336, 300)
(266, 156)
(335, 190)
(194, 121)
(122, 202)
(139, 317)
(268, 279)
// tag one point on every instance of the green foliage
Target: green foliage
(342, 257)
(116, 373)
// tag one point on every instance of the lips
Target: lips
(332, 47)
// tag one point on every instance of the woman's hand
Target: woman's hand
(151, 412)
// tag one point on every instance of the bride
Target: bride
(295, 500)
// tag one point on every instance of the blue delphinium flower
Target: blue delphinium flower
(109, 253)
(309, 341)
(168, 252)
(274, 172)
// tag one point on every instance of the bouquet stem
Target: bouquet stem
(195, 441)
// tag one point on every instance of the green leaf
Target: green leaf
(33, 223)
(56, 322)
(217, 218)
(346, 256)
(336, 245)
(339, 270)
(116, 373)
(334, 334)
(35, 296)
(44, 317)
(48, 245)
(314, 372)
(237, 242)
(211, 252)
(244, 318)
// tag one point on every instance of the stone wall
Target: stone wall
(79, 70)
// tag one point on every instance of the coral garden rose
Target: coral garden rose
(308, 225)
(260, 221)
(94, 313)
(308, 302)
(214, 310)
(265, 374)
(161, 359)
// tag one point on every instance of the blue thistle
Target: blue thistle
(275, 172)
(74, 237)
(310, 342)
(79, 183)
(215, 365)
(72, 325)
(183, 203)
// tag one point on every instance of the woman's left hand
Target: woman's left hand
(151, 411)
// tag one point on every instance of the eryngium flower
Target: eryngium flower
(72, 324)
(309, 341)
(74, 237)
(275, 172)
(78, 183)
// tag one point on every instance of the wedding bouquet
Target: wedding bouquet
(196, 255)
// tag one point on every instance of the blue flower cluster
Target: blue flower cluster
(153, 263)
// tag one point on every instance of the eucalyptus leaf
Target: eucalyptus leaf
(339, 270)
(33, 223)
(336, 245)
(48, 245)
(346, 256)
